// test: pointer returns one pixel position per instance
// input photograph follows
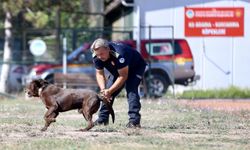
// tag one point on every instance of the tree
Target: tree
(9, 10)
(39, 14)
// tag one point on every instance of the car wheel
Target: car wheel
(156, 86)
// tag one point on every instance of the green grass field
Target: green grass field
(165, 125)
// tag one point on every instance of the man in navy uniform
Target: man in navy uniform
(127, 67)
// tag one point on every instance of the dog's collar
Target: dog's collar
(41, 89)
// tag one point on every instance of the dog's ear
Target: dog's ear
(37, 83)
(42, 82)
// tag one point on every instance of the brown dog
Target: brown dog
(58, 100)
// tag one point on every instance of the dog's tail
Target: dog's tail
(109, 106)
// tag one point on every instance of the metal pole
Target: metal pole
(138, 40)
(64, 59)
(149, 63)
(173, 56)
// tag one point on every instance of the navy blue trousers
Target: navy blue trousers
(131, 85)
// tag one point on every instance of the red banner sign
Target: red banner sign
(223, 21)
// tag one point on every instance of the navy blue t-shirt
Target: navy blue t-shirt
(121, 56)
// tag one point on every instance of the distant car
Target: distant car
(79, 61)
(169, 62)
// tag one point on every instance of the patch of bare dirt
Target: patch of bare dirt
(11, 133)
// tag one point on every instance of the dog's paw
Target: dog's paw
(53, 119)
(83, 130)
(50, 120)
(44, 129)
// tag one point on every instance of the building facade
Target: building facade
(221, 58)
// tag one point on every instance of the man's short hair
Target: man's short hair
(99, 43)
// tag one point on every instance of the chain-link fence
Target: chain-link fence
(164, 68)
(22, 59)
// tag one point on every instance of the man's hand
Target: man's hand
(106, 94)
